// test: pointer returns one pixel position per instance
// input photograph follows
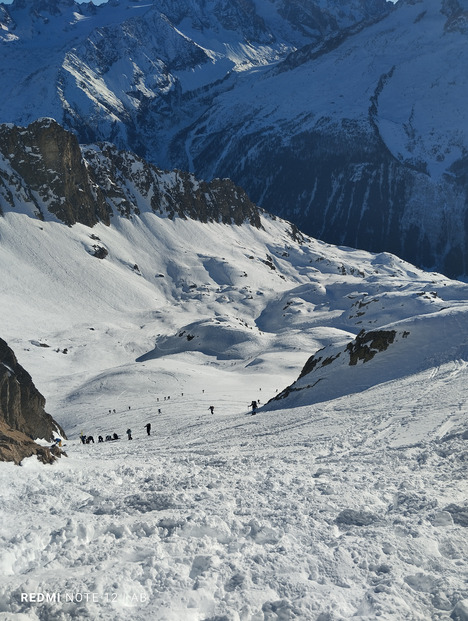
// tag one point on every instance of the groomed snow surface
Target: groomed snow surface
(353, 507)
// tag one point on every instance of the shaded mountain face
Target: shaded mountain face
(360, 140)
(346, 118)
(44, 172)
(22, 414)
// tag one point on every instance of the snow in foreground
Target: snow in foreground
(352, 508)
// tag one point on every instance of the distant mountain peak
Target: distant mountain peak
(293, 101)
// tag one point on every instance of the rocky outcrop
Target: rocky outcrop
(364, 347)
(328, 365)
(367, 344)
(21, 404)
(46, 171)
(16, 446)
(131, 184)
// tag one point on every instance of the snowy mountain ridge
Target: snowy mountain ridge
(44, 170)
(325, 113)
(111, 62)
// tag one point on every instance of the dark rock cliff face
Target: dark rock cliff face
(46, 164)
(21, 404)
(346, 190)
(45, 170)
(129, 182)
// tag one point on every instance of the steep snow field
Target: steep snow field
(345, 505)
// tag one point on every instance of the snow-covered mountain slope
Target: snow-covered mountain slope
(351, 509)
(45, 173)
(350, 506)
(401, 348)
(346, 118)
(177, 267)
(236, 296)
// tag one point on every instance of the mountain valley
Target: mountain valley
(289, 415)
(346, 119)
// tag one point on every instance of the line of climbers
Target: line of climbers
(90, 439)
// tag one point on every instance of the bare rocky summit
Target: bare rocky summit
(46, 170)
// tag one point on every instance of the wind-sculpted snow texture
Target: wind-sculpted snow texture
(354, 509)
(349, 502)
